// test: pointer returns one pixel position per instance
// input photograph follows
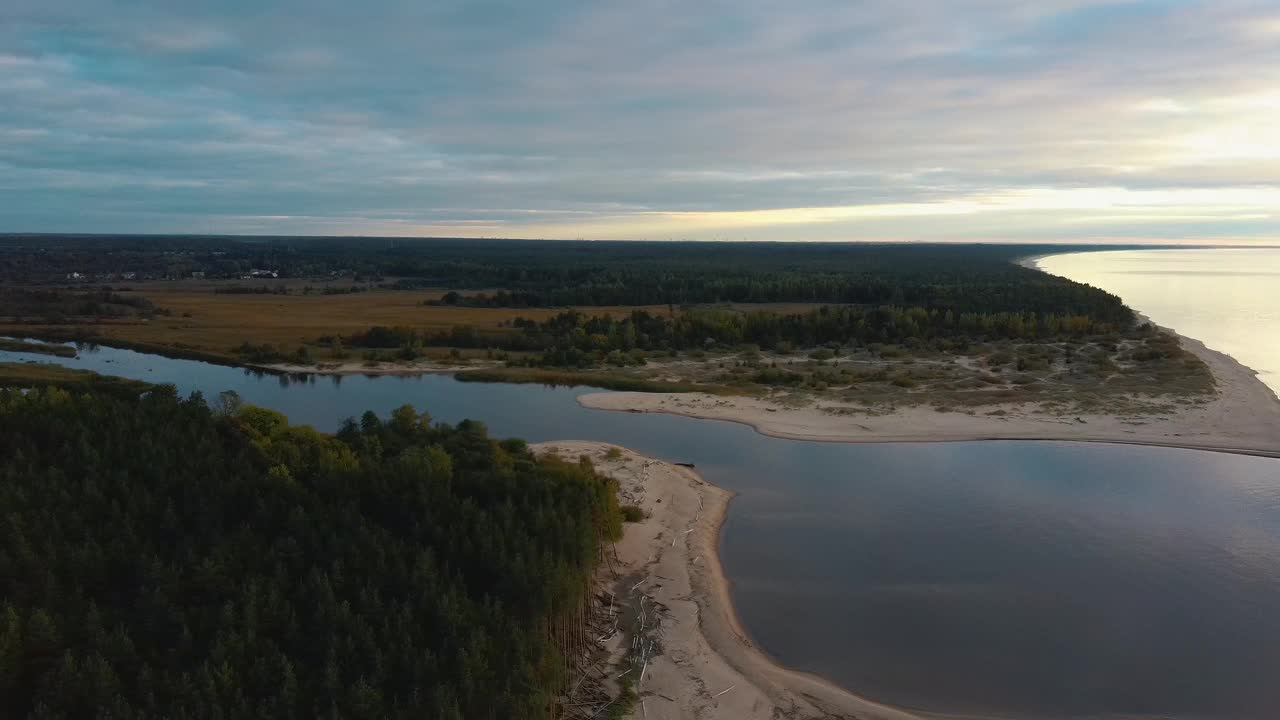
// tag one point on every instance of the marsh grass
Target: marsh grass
(38, 348)
(34, 375)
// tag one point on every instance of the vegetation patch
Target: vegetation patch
(39, 375)
(39, 348)
(574, 379)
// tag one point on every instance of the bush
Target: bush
(1026, 363)
(632, 513)
(778, 377)
(265, 353)
(904, 381)
(1001, 357)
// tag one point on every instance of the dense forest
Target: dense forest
(165, 559)
(574, 339)
(964, 278)
(514, 273)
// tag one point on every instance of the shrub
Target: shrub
(904, 381)
(778, 377)
(1001, 357)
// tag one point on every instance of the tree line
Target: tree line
(56, 305)
(524, 273)
(167, 559)
(576, 339)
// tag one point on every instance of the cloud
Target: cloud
(820, 119)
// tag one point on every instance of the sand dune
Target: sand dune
(1244, 417)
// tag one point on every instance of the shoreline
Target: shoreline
(707, 661)
(351, 368)
(1242, 418)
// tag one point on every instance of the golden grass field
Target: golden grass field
(214, 324)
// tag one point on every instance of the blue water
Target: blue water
(1010, 579)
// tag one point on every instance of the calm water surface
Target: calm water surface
(1227, 298)
(1003, 579)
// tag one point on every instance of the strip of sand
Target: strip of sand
(703, 665)
(1243, 417)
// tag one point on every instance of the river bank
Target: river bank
(1243, 417)
(704, 661)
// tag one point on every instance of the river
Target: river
(1001, 579)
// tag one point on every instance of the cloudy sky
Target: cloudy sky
(701, 119)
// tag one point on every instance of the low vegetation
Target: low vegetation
(11, 345)
(1142, 370)
(570, 378)
(39, 375)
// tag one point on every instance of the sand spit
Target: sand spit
(1244, 417)
(704, 665)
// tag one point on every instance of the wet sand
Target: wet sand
(704, 665)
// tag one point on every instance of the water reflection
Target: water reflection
(999, 578)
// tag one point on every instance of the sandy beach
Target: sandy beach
(704, 665)
(1243, 417)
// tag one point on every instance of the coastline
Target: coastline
(1242, 418)
(706, 661)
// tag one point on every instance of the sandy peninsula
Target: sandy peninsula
(703, 664)
(1243, 416)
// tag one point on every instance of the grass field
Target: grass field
(205, 325)
(41, 348)
(32, 375)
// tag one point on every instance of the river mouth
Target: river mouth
(1006, 579)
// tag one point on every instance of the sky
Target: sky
(991, 120)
